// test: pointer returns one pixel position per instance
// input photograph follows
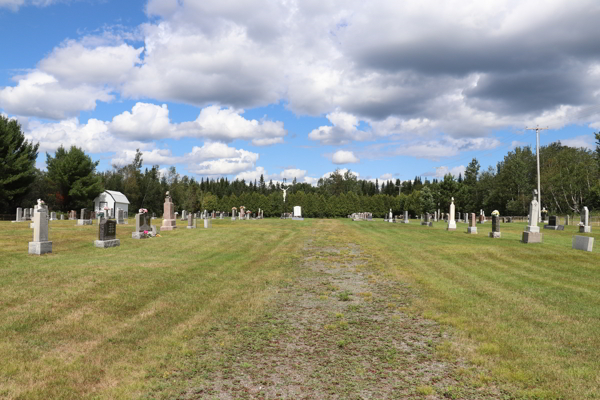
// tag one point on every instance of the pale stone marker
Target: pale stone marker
(84, 218)
(19, 214)
(472, 229)
(427, 220)
(297, 213)
(40, 244)
(141, 226)
(584, 225)
(451, 214)
(190, 220)
(53, 216)
(107, 234)
(207, 223)
(391, 216)
(233, 214)
(62, 217)
(169, 221)
(532, 231)
(120, 219)
(406, 220)
(585, 243)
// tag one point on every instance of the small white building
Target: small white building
(112, 200)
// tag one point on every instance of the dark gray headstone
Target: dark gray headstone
(495, 224)
(107, 229)
(553, 221)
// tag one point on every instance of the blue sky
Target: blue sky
(297, 89)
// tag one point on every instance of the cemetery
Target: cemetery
(141, 292)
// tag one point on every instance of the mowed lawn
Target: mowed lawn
(527, 316)
(107, 323)
(85, 322)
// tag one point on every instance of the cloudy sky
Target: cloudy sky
(298, 88)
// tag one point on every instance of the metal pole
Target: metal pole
(537, 153)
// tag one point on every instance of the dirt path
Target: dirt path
(337, 332)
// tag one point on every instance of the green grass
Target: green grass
(87, 323)
(526, 314)
(84, 322)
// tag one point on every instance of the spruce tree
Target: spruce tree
(17, 164)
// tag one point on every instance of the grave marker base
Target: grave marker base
(104, 244)
(81, 222)
(472, 230)
(495, 235)
(585, 229)
(532, 237)
(40, 248)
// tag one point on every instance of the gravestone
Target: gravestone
(169, 221)
(585, 243)
(495, 233)
(297, 214)
(19, 214)
(184, 215)
(84, 217)
(532, 231)
(40, 244)
(472, 229)
(120, 219)
(190, 220)
(584, 224)
(107, 234)
(221, 215)
(427, 220)
(554, 224)
(451, 221)
(53, 216)
(62, 217)
(567, 220)
(406, 219)
(26, 215)
(390, 216)
(233, 215)
(207, 223)
(141, 226)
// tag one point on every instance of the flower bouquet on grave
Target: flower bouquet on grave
(143, 211)
(495, 213)
(146, 236)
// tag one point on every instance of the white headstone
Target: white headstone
(451, 220)
(297, 211)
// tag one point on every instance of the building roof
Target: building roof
(118, 196)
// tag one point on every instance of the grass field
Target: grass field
(288, 309)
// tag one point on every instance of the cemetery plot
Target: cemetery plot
(274, 309)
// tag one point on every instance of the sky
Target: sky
(298, 88)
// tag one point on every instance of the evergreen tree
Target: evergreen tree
(72, 177)
(17, 164)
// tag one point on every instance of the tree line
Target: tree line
(570, 179)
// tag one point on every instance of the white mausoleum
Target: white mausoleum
(112, 200)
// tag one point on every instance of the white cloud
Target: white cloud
(75, 63)
(386, 177)
(42, 95)
(344, 157)
(15, 4)
(244, 161)
(341, 171)
(92, 137)
(145, 122)
(344, 129)
(585, 141)
(442, 171)
(227, 124)
(289, 174)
